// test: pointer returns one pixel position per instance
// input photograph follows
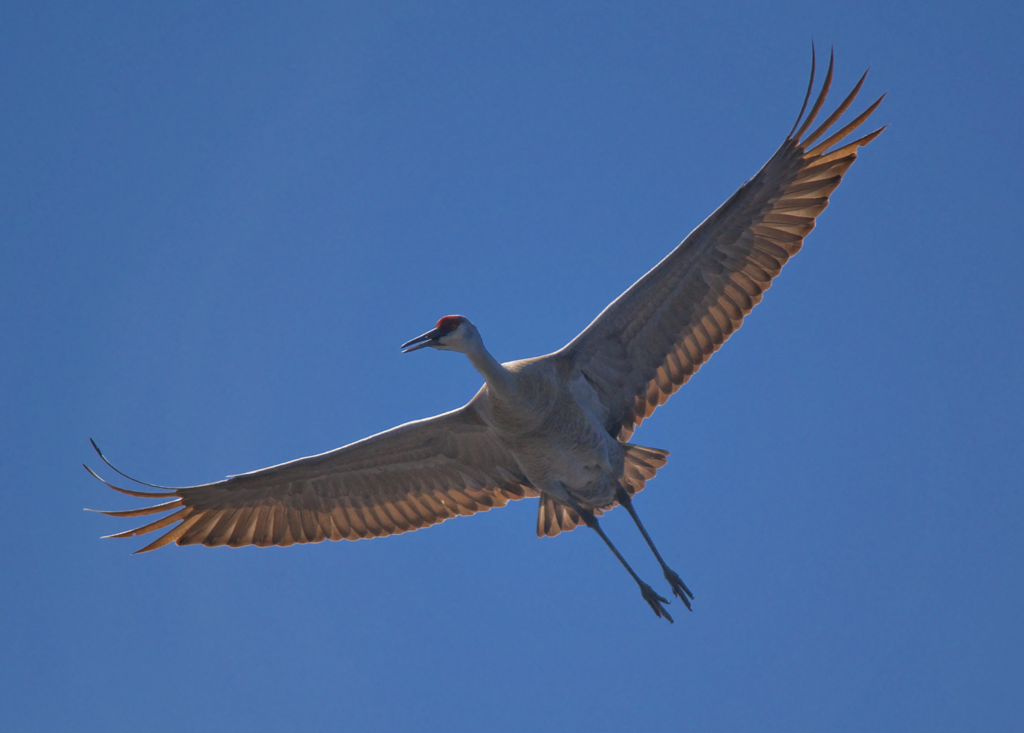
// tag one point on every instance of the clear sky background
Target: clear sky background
(218, 222)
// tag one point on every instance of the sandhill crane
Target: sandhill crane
(554, 427)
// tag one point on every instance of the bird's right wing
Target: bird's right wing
(411, 476)
(657, 334)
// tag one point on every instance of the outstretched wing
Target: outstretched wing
(657, 334)
(412, 476)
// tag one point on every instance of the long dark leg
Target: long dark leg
(652, 598)
(678, 586)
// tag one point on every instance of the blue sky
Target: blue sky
(218, 222)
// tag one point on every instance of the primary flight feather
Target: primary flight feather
(554, 426)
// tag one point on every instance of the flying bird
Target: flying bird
(557, 426)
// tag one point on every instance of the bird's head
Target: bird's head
(452, 333)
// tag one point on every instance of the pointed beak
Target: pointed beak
(420, 342)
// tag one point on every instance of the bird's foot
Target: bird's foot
(655, 601)
(679, 588)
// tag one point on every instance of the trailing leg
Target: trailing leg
(653, 599)
(678, 586)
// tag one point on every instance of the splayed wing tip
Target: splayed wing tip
(838, 136)
(843, 106)
(820, 101)
(807, 97)
(129, 492)
(119, 472)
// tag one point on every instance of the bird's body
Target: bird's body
(555, 427)
(551, 420)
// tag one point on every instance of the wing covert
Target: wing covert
(657, 334)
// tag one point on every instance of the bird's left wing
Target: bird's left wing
(411, 476)
(657, 334)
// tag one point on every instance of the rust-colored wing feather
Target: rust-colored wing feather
(409, 477)
(657, 334)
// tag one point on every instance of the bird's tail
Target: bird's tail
(642, 464)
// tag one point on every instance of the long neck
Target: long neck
(498, 378)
